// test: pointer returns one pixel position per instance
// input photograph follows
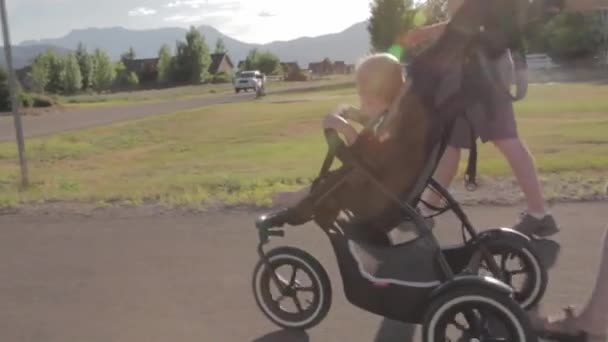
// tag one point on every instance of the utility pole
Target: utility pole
(604, 20)
(12, 84)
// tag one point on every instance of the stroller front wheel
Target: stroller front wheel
(302, 297)
(476, 314)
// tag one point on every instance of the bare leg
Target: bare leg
(594, 316)
(445, 173)
(522, 164)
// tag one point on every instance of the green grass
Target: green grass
(134, 97)
(183, 92)
(240, 153)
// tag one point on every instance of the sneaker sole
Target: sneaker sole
(540, 232)
(544, 232)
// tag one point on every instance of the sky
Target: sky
(254, 21)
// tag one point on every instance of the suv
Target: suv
(246, 80)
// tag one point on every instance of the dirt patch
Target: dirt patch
(556, 188)
(493, 192)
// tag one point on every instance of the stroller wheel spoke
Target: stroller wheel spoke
(292, 280)
(504, 257)
(305, 289)
(282, 282)
(279, 299)
(296, 301)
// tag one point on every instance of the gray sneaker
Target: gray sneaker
(530, 225)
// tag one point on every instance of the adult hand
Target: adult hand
(413, 38)
(421, 35)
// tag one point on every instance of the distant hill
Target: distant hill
(23, 55)
(348, 45)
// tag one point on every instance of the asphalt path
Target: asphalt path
(187, 277)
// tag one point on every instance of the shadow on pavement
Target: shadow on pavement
(284, 336)
(393, 331)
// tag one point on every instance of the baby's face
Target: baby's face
(371, 106)
(378, 79)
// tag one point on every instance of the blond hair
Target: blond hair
(380, 75)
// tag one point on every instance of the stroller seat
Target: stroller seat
(411, 264)
(404, 230)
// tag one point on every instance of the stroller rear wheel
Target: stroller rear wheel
(520, 267)
(300, 295)
(476, 314)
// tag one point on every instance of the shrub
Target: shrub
(26, 99)
(41, 101)
(296, 76)
(221, 77)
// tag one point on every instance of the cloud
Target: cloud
(183, 18)
(265, 14)
(190, 11)
(141, 12)
(206, 4)
(177, 3)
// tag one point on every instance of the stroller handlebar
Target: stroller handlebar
(334, 142)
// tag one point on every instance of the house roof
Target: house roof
(216, 61)
(138, 64)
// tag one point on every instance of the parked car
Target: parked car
(251, 79)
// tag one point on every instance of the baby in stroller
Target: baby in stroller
(379, 79)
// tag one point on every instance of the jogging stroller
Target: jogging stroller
(416, 281)
(464, 292)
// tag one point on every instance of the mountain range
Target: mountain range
(348, 45)
(23, 55)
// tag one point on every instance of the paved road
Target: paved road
(77, 118)
(187, 277)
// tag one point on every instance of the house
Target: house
(339, 67)
(290, 67)
(145, 68)
(220, 62)
(293, 72)
(321, 68)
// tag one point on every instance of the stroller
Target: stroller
(413, 281)
(465, 292)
